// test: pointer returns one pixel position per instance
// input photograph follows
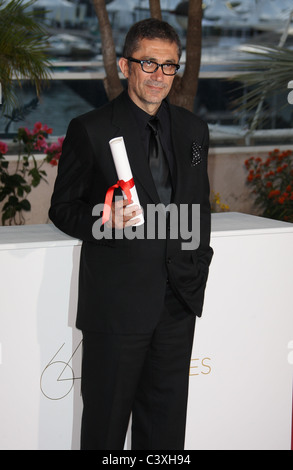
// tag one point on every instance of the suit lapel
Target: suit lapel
(126, 125)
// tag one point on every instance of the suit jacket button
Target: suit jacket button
(169, 261)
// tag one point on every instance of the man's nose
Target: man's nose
(158, 74)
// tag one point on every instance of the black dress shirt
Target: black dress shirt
(142, 118)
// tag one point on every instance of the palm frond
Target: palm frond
(22, 48)
(268, 73)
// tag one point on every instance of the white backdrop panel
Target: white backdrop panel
(240, 375)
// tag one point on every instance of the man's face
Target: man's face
(148, 90)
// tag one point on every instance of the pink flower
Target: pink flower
(54, 151)
(26, 130)
(41, 143)
(47, 129)
(37, 127)
(3, 148)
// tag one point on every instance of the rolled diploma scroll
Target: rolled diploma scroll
(123, 169)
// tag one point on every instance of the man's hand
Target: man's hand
(123, 214)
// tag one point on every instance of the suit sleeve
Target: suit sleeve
(204, 251)
(70, 208)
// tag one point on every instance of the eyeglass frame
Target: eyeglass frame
(141, 62)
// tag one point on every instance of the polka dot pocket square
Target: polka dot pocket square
(196, 155)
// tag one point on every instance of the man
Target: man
(138, 298)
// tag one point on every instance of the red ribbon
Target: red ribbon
(126, 187)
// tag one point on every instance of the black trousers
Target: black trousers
(146, 375)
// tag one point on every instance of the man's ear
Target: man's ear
(124, 66)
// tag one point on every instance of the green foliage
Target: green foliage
(16, 186)
(22, 49)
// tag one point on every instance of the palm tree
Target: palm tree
(22, 49)
(268, 72)
(271, 71)
(112, 83)
(185, 87)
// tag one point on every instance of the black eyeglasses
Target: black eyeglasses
(149, 66)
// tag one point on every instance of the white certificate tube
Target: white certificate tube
(123, 169)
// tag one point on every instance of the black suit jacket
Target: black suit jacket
(122, 282)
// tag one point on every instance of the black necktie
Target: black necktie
(158, 164)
